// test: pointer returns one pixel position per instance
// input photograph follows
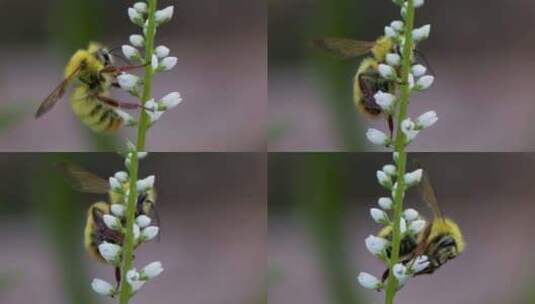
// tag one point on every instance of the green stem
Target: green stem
(391, 287)
(144, 124)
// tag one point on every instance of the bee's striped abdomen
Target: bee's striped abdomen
(98, 116)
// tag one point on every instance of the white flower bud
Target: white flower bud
(111, 222)
(411, 81)
(130, 52)
(128, 119)
(140, 7)
(134, 279)
(102, 287)
(115, 184)
(402, 226)
(379, 216)
(408, 128)
(416, 226)
(418, 70)
(421, 33)
(397, 25)
(427, 119)
(151, 104)
(127, 81)
(152, 270)
(110, 252)
(142, 155)
(377, 137)
(135, 16)
(368, 281)
(154, 115)
(419, 264)
(400, 272)
(161, 51)
(149, 233)
(390, 32)
(387, 71)
(384, 100)
(424, 82)
(118, 210)
(145, 184)
(410, 214)
(383, 179)
(385, 203)
(137, 40)
(418, 3)
(136, 231)
(393, 59)
(168, 63)
(171, 100)
(143, 221)
(121, 176)
(154, 62)
(376, 245)
(164, 15)
(395, 156)
(390, 170)
(413, 178)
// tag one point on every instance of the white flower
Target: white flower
(145, 184)
(133, 278)
(377, 137)
(383, 179)
(419, 264)
(121, 176)
(143, 221)
(367, 280)
(102, 287)
(390, 170)
(413, 178)
(149, 233)
(140, 7)
(397, 25)
(427, 119)
(136, 231)
(168, 63)
(171, 100)
(154, 115)
(127, 81)
(393, 59)
(385, 203)
(130, 52)
(408, 128)
(118, 210)
(137, 40)
(410, 214)
(421, 33)
(418, 3)
(164, 15)
(376, 245)
(418, 70)
(128, 119)
(384, 100)
(424, 82)
(379, 216)
(402, 225)
(110, 252)
(161, 51)
(395, 156)
(400, 272)
(152, 270)
(390, 32)
(115, 184)
(111, 222)
(411, 81)
(135, 16)
(417, 226)
(142, 155)
(387, 71)
(151, 104)
(154, 62)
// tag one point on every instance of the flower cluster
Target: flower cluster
(144, 229)
(410, 226)
(418, 79)
(160, 62)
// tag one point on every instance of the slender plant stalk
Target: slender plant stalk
(400, 144)
(128, 247)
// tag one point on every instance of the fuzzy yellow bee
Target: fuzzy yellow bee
(441, 240)
(94, 72)
(96, 230)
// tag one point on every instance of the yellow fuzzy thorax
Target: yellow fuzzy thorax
(382, 47)
(447, 226)
(87, 56)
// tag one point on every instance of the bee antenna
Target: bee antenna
(421, 56)
(118, 55)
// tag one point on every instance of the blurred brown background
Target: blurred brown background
(221, 72)
(481, 52)
(319, 217)
(213, 228)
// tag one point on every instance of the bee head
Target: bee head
(104, 56)
(446, 249)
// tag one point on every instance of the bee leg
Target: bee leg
(120, 104)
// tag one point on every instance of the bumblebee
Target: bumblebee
(440, 241)
(94, 72)
(96, 231)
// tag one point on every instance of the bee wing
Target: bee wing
(344, 48)
(82, 180)
(428, 194)
(56, 95)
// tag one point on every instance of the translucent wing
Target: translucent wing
(56, 95)
(344, 48)
(428, 194)
(83, 180)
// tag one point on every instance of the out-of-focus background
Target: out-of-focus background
(213, 229)
(221, 73)
(480, 51)
(319, 217)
